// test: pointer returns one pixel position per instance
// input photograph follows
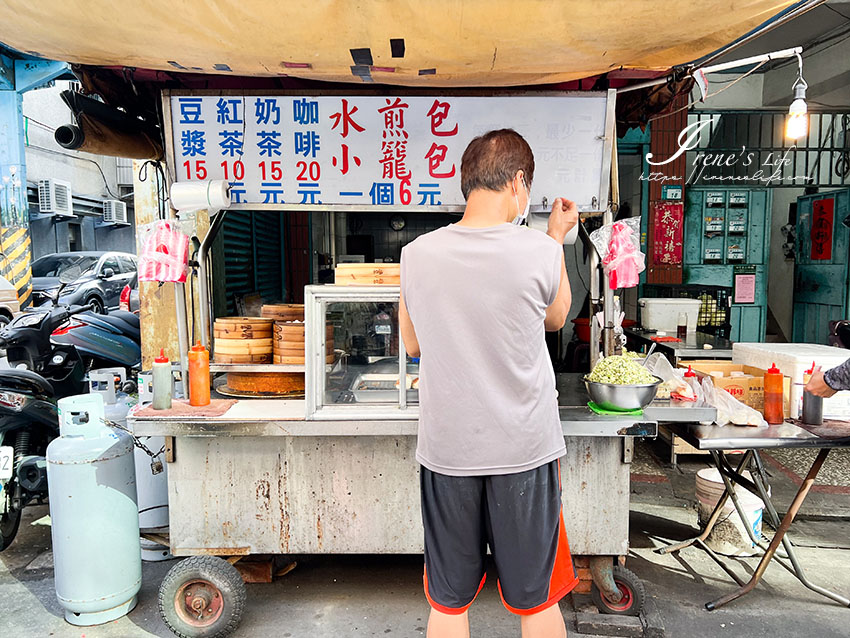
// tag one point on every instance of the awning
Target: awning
(406, 42)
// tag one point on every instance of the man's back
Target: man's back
(477, 298)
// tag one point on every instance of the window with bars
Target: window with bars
(749, 148)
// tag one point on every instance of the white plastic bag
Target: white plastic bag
(729, 409)
(674, 379)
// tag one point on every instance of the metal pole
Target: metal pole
(204, 298)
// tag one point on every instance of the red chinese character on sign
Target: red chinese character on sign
(346, 117)
(344, 160)
(438, 113)
(394, 117)
(436, 155)
(393, 158)
(394, 152)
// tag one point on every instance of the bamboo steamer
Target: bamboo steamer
(243, 339)
(283, 312)
(243, 358)
(296, 360)
(375, 274)
(289, 341)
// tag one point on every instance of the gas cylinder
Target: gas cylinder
(93, 513)
(151, 489)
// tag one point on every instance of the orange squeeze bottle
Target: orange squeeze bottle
(199, 375)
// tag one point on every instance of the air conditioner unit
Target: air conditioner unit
(114, 211)
(54, 198)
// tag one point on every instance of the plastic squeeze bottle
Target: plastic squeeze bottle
(812, 405)
(163, 382)
(774, 411)
(692, 380)
(199, 375)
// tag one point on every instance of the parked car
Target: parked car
(129, 300)
(104, 275)
(9, 304)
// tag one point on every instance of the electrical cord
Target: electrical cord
(84, 159)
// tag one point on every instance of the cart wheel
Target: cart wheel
(202, 597)
(634, 594)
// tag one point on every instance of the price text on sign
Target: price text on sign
(403, 152)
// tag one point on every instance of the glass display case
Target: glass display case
(356, 364)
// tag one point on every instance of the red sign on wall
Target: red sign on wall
(823, 213)
(669, 231)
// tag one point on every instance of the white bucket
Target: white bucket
(729, 536)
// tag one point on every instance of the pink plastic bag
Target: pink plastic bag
(165, 253)
(623, 261)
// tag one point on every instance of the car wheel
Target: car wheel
(97, 305)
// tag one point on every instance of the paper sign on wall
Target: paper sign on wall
(823, 213)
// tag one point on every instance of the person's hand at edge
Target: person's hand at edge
(818, 386)
(563, 218)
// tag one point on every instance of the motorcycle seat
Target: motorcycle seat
(124, 322)
(26, 381)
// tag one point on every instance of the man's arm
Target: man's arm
(556, 314)
(408, 334)
(563, 217)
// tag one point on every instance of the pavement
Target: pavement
(347, 596)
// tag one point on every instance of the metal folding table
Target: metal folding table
(718, 440)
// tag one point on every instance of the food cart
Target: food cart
(334, 471)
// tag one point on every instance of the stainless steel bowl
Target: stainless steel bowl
(610, 396)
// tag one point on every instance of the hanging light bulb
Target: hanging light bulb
(797, 122)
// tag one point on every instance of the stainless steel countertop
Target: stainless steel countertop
(693, 347)
(285, 417)
(739, 437)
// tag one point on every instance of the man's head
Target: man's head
(495, 161)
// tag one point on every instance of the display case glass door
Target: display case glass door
(357, 367)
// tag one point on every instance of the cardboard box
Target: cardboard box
(748, 388)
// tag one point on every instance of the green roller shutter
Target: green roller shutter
(253, 255)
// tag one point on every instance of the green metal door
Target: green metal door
(728, 231)
(820, 272)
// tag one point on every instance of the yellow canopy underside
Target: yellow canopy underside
(466, 43)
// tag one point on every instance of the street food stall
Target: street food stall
(271, 467)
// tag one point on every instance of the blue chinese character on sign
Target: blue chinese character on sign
(304, 112)
(311, 192)
(267, 111)
(231, 143)
(382, 193)
(227, 111)
(272, 192)
(190, 110)
(193, 143)
(268, 143)
(430, 194)
(237, 190)
(306, 143)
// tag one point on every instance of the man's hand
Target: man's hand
(562, 220)
(817, 385)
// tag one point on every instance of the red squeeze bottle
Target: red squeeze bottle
(774, 411)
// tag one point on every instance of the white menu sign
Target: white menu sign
(399, 152)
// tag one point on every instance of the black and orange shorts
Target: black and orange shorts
(519, 516)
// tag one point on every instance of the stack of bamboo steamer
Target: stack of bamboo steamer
(371, 274)
(243, 340)
(289, 333)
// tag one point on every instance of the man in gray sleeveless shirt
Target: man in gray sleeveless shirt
(477, 298)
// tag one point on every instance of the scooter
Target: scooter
(50, 351)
